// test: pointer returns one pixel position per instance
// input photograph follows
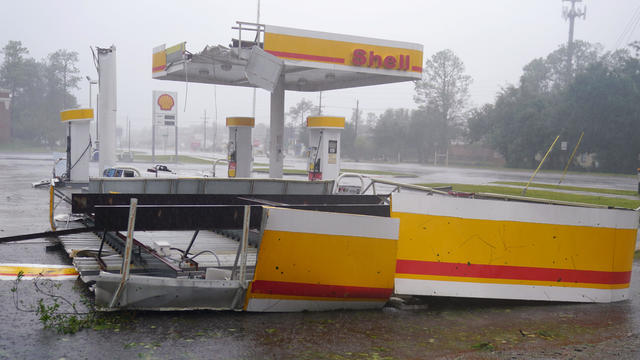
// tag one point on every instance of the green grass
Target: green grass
(572, 188)
(262, 169)
(285, 171)
(378, 172)
(20, 146)
(542, 194)
(185, 159)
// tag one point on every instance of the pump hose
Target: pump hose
(51, 207)
(80, 157)
(315, 160)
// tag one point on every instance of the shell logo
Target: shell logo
(165, 101)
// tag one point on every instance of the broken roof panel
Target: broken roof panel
(311, 60)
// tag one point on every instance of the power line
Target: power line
(629, 28)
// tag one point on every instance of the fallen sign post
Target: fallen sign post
(126, 259)
(46, 234)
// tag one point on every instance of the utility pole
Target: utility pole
(215, 117)
(204, 147)
(257, 41)
(357, 116)
(571, 13)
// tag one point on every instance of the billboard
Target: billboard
(165, 108)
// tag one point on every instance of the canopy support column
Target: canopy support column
(276, 155)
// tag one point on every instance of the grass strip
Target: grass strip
(378, 172)
(358, 171)
(571, 188)
(284, 171)
(184, 159)
(542, 194)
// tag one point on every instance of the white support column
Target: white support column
(107, 107)
(276, 155)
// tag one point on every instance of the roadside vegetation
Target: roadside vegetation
(357, 171)
(570, 188)
(56, 312)
(543, 194)
(184, 159)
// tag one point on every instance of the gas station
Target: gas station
(284, 245)
(278, 58)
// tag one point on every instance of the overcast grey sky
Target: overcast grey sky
(494, 38)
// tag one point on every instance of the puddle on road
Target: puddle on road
(448, 327)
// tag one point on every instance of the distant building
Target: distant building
(474, 154)
(5, 115)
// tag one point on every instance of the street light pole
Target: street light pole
(92, 82)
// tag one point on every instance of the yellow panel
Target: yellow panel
(36, 270)
(326, 259)
(456, 240)
(159, 61)
(325, 121)
(174, 48)
(241, 121)
(76, 114)
(336, 52)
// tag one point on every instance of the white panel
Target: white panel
(316, 222)
(282, 305)
(158, 48)
(513, 211)
(263, 69)
(507, 291)
(80, 151)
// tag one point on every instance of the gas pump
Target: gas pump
(324, 147)
(79, 149)
(239, 148)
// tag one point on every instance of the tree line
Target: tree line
(402, 134)
(598, 96)
(39, 90)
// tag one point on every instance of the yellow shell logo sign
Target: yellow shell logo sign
(165, 101)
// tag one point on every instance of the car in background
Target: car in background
(121, 172)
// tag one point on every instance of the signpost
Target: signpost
(165, 113)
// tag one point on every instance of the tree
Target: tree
(444, 91)
(601, 100)
(544, 75)
(604, 102)
(62, 73)
(12, 74)
(39, 91)
(636, 47)
(297, 113)
(390, 135)
(297, 127)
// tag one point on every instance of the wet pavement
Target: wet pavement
(447, 328)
